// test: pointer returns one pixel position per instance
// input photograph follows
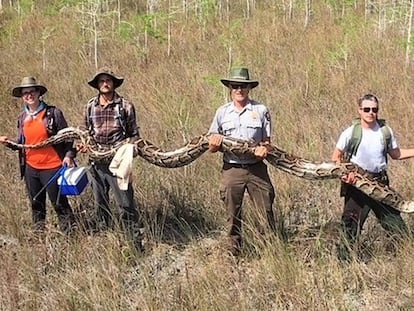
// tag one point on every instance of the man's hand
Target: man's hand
(214, 142)
(81, 148)
(260, 152)
(349, 178)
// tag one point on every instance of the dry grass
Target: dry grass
(309, 77)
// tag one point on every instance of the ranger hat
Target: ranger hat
(239, 76)
(105, 71)
(28, 82)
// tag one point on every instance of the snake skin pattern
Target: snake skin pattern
(197, 146)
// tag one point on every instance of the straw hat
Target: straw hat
(28, 82)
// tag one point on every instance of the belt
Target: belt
(227, 165)
(381, 177)
(377, 175)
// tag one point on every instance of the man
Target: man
(245, 119)
(110, 119)
(40, 167)
(369, 152)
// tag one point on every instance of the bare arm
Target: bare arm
(337, 158)
(337, 155)
(401, 154)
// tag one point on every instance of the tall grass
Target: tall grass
(313, 60)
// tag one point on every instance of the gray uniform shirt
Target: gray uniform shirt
(252, 123)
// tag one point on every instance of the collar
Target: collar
(116, 99)
(248, 106)
(36, 112)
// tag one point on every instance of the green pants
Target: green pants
(356, 209)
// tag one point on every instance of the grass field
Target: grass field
(313, 59)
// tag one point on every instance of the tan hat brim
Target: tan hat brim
(17, 91)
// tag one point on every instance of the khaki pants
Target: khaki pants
(235, 181)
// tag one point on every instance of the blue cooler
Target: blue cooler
(73, 181)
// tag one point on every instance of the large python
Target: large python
(197, 146)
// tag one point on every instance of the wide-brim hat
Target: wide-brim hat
(28, 82)
(106, 71)
(239, 75)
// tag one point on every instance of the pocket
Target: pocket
(228, 127)
(254, 130)
(254, 125)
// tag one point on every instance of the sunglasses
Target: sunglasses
(32, 92)
(238, 86)
(368, 109)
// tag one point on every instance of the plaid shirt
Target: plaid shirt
(106, 122)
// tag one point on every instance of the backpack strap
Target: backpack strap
(386, 135)
(121, 116)
(90, 106)
(355, 140)
(356, 137)
(51, 126)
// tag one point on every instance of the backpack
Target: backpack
(352, 147)
(121, 116)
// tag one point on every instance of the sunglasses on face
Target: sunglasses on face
(368, 109)
(238, 86)
(32, 92)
